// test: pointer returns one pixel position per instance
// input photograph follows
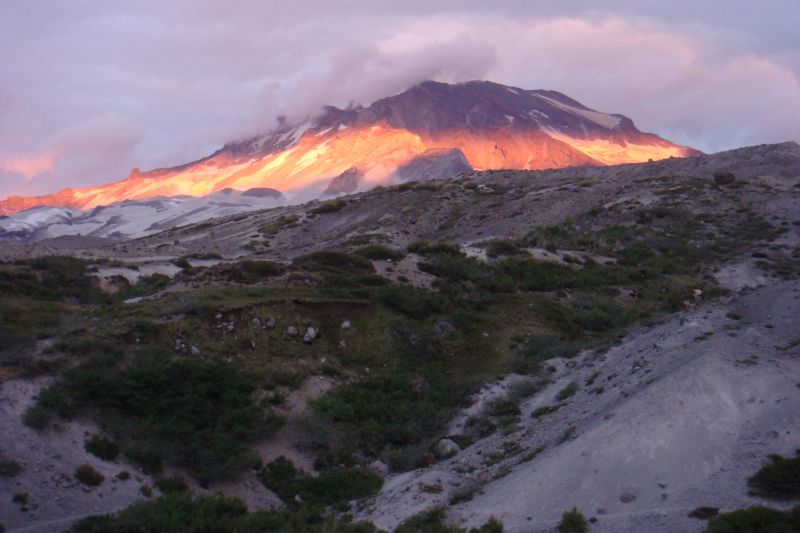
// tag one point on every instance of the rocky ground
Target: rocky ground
(676, 415)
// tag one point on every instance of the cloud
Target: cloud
(92, 88)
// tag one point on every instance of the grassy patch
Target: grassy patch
(433, 522)
(378, 252)
(331, 206)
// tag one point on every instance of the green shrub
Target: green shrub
(328, 488)
(389, 412)
(378, 252)
(567, 392)
(249, 271)
(9, 467)
(172, 485)
(433, 522)
(36, 417)
(411, 301)
(102, 447)
(335, 263)
(779, 480)
(440, 248)
(88, 475)
(330, 206)
(573, 522)
(704, 513)
(193, 413)
(756, 519)
(214, 514)
(504, 248)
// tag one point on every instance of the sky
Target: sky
(90, 89)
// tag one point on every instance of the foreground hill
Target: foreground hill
(619, 340)
(431, 130)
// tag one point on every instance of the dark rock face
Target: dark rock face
(344, 183)
(434, 164)
(263, 192)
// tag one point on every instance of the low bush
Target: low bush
(214, 514)
(195, 414)
(779, 480)
(329, 487)
(567, 392)
(172, 485)
(88, 475)
(9, 467)
(433, 522)
(102, 447)
(378, 252)
(249, 271)
(573, 522)
(756, 519)
(439, 248)
(334, 262)
(330, 206)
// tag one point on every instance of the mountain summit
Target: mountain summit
(431, 130)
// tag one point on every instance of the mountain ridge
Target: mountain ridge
(493, 125)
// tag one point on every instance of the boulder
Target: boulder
(447, 448)
(310, 336)
(378, 467)
(346, 325)
(291, 332)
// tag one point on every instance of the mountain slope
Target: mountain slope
(494, 126)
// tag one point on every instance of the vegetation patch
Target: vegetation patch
(433, 522)
(573, 522)
(102, 447)
(195, 414)
(756, 519)
(88, 475)
(779, 480)
(182, 512)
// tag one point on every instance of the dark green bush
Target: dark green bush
(335, 263)
(102, 447)
(756, 519)
(9, 467)
(88, 475)
(249, 271)
(378, 252)
(171, 485)
(779, 480)
(573, 522)
(213, 514)
(389, 412)
(440, 248)
(196, 414)
(567, 392)
(433, 522)
(411, 301)
(330, 206)
(329, 487)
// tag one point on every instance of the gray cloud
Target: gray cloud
(91, 88)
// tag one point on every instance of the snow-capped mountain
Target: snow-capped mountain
(430, 129)
(132, 218)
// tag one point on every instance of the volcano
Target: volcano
(431, 130)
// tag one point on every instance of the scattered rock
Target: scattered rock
(271, 323)
(627, 497)
(346, 325)
(291, 332)
(195, 350)
(447, 448)
(310, 336)
(379, 467)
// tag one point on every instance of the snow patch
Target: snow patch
(602, 119)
